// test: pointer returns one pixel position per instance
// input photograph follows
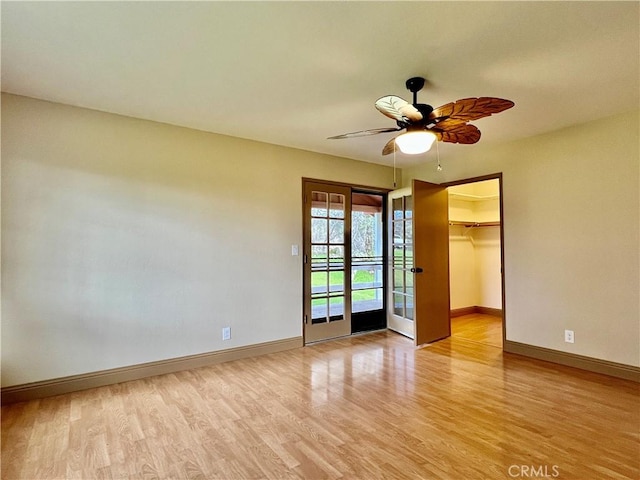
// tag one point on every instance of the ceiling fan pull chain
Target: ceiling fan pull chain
(438, 155)
(394, 166)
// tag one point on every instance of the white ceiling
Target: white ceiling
(294, 73)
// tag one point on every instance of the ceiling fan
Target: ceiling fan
(425, 124)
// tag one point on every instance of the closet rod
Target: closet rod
(475, 224)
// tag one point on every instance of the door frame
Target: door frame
(492, 176)
(358, 188)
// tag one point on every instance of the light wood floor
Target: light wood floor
(364, 407)
(477, 327)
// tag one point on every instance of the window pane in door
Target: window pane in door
(398, 232)
(319, 282)
(319, 230)
(398, 304)
(336, 231)
(408, 232)
(397, 209)
(398, 280)
(336, 281)
(408, 206)
(319, 204)
(318, 257)
(409, 283)
(336, 308)
(319, 309)
(409, 307)
(336, 206)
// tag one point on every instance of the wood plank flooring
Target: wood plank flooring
(365, 407)
(478, 327)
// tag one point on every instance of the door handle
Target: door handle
(416, 270)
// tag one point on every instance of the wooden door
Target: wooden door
(430, 262)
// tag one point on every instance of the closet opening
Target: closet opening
(476, 260)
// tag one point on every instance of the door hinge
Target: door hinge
(305, 258)
(306, 319)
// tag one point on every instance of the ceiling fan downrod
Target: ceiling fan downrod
(414, 85)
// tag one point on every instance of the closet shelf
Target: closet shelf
(472, 198)
(474, 224)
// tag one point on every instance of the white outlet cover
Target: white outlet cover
(569, 336)
(294, 250)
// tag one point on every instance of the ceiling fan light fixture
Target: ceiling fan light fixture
(414, 142)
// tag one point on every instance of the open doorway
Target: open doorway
(475, 261)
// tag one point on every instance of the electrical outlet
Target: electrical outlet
(568, 336)
(226, 333)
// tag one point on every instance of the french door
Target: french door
(400, 316)
(419, 254)
(327, 261)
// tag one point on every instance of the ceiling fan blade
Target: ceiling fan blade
(364, 133)
(389, 147)
(468, 109)
(456, 133)
(398, 109)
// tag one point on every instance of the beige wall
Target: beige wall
(486, 247)
(474, 267)
(126, 241)
(571, 234)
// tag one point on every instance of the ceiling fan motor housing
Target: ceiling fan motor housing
(424, 109)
